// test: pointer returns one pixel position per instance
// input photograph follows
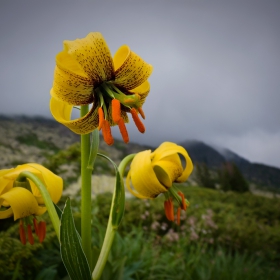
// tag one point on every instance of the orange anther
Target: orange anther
(116, 110)
(100, 117)
(168, 207)
(106, 132)
(178, 215)
(35, 226)
(184, 205)
(22, 233)
(141, 112)
(123, 130)
(42, 231)
(30, 235)
(137, 120)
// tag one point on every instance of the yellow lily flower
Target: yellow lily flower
(153, 173)
(17, 201)
(85, 73)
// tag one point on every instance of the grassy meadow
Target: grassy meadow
(221, 236)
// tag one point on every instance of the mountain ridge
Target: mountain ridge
(33, 138)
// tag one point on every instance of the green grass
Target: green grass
(223, 236)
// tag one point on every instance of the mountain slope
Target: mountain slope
(34, 139)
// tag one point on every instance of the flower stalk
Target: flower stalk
(111, 227)
(85, 192)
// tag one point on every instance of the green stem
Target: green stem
(111, 230)
(85, 192)
(46, 197)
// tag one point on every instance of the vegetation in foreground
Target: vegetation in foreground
(224, 236)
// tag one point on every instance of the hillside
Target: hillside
(36, 139)
(259, 174)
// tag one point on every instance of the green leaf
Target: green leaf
(58, 211)
(93, 148)
(118, 197)
(71, 250)
(119, 201)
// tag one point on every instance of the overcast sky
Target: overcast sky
(216, 64)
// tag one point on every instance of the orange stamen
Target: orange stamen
(168, 207)
(41, 231)
(141, 112)
(106, 132)
(123, 130)
(116, 110)
(35, 226)
(22, 233)
(30, 235)
(178, 215)
(137, 120)
(100, 117)
(184, 205)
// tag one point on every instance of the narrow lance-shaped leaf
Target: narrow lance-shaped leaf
(118, 197)
(71, 250)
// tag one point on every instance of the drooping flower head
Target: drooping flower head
(153, 173)
(23, 200)
(86, 73)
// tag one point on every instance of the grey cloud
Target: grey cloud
(216, 64)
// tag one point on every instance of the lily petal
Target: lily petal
(53, 183)
(22, 202)
(5, 185)
(92, 54)
(143, 177)
(61, 111)
(130, 69)
(166, 149)
(72, 89)
(168, 171)
(143, 91)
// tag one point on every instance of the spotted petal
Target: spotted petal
(61, 111)
(130, 69)
(93, 56)
(142, 90)
(72, 88)
(143, 177)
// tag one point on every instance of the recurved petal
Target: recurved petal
(142, 90)
(73, 89)
(53, 183)
(167, 149)
(143, 177)
(5, 185)
(130, 69)
(4, 171)
(92, 54)
(168, 170)
(13, 174)
(61, 111)
(22, 202)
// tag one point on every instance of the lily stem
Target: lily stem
(86, 192)
(111, 230)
